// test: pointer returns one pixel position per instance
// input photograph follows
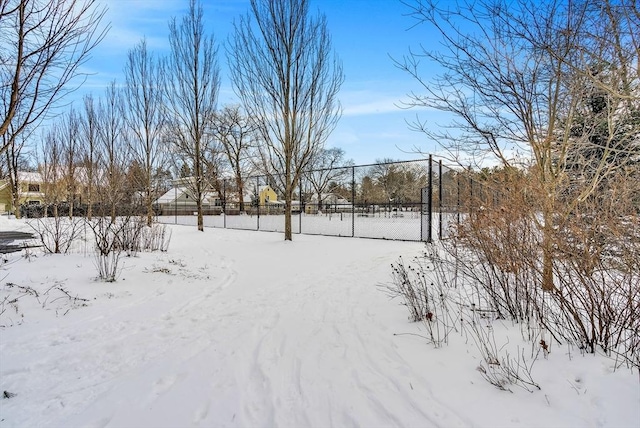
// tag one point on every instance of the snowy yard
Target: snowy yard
(233, 328)
(404, 226)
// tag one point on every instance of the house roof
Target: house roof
(177, 192)
(29, 177)
(232, 197)
(330, 197)
(24, 177)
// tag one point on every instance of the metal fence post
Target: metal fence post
(175, 202)
(440, 199)
(430, 201)
(353, 201)
(224, 203)
(300, 207)
(458, 198)
(258, 204)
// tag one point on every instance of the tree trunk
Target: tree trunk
(89, 201)
(240, 188)
(288, 236)
(56, 219)
(70, 203)
(200, 217)
(15, 200)
(199, 203)
(199, 179)
(149, 209)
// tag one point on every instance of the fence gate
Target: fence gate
(425, 213)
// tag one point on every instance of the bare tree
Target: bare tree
(516, 77)
(15, 162)
(113, 151)
(70, 141)
(388, 176)
(284, 72)
(192, 84)
(326, 165)
(58, 234)
(43, 43)
(145, 118)
(89, 137)
(50, 167)
(238, 137)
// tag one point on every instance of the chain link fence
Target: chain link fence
(420, 200)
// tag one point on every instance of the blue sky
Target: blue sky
(365, 34)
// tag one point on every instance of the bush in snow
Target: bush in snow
(593, 301)
(113, 237)
(574, 282)
(130, 233)
(436, 295)
(426, 300)
(109, 237)
(155, 238)
(57, 234)
(498, 257)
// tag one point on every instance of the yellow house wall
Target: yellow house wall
(6, 203)
(5, 198)
(267, 194)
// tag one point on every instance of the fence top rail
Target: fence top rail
(347, 167)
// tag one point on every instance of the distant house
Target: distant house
(180, 200)
(328, 201)
(268, 197)
(232, 202)
(30, 191)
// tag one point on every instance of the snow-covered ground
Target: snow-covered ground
(241, 329)
(404, 226)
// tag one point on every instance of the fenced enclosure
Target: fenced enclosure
(418, 200)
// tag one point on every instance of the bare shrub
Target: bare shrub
(130, 232)
(10, 301)
(598, 273)
(594, 298)
(124, 235)
(427, 301)
(108, 237)
(57, 234)
(444, 300)
(56, 298)
(155, 238)
(502, 369)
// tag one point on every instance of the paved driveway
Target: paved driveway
(8, 240)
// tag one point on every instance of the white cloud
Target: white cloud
(131, 20)
(370, 102)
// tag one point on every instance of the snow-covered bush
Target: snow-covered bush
(594, 301)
